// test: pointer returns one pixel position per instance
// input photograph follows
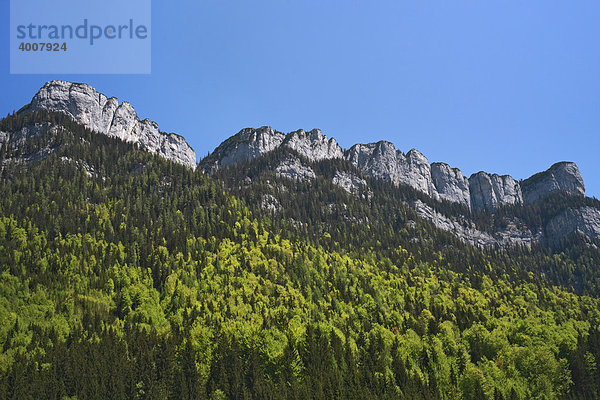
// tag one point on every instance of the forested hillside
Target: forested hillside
(123, 275)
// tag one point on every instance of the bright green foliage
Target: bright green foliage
(148, 280)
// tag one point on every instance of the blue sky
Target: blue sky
(503, 86)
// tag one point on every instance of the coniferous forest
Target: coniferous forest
(126, 276)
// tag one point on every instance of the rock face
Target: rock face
(349, 182)
(269, 203)
(465, 230)
(482, 191)
(562, 176)
(418, 173)
(250, 143)
(106, 116)
(246, 145)
(18, 138)
(292, 168)
(585, 220)
(450, 184)
(313, 145)
(489, 191)
(381, 160)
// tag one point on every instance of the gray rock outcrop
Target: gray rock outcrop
(19, 137)
(292, 168)
(489, 191)
(585, 220)
(250, 143)
(451, 184)
(418, 173)
(563, 176)
(246, 145)
(269, 203)
(106, 116)
(349, 182)
(513, 234)
(381, 160)
(482, 191)
(313, 145)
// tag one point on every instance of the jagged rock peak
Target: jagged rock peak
(256, 141)
(563, 176)
(245, 145)
(451, 184)
(418, 173)
(250, 143)
(313, 145)
(490, 191)
(105, 115)
(264, 134)
(381, 160)
(361, 154)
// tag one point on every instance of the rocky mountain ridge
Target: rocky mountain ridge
(481, 191)
(250, 143)
(381, 160)
(107, 116)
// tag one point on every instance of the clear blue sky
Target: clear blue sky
(502, 86)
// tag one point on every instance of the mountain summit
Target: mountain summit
(484, 209)
(106, 115)
(496, 209)
(381, 160)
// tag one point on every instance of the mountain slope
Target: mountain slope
(125, 275)
(482, 192)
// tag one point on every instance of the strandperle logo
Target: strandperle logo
(74, 36)
(85, 31)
